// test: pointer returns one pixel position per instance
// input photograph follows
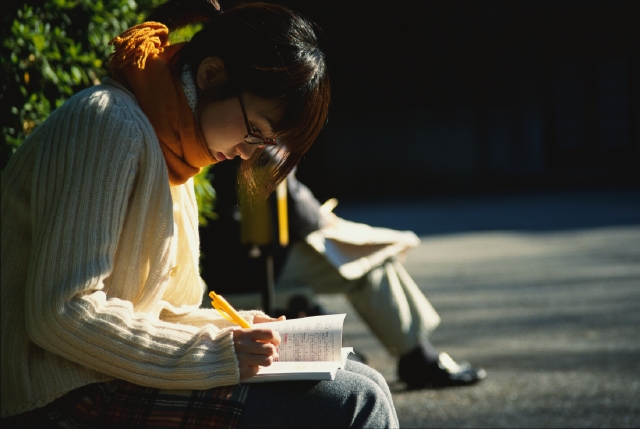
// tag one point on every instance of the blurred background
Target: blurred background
(435, 97)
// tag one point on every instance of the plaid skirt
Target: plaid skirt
(120, 404)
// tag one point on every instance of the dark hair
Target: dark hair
(267, 50)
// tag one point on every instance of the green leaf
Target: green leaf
(39, 41)
(205, 197)
(77, 74)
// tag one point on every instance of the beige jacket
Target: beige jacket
(100, 261)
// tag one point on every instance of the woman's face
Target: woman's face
(224, 128)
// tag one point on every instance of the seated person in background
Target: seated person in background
(332, 255)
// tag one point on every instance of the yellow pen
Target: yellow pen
(227, 311)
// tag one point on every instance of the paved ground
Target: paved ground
(543, 291)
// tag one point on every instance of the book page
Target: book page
(298, 367)
(309, 339)
(283, 371)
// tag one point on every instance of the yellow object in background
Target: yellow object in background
(283, 219)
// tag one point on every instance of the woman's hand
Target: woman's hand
(255, 348)
(259, 318)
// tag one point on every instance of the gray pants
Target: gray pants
(358, 398)
(386, 298)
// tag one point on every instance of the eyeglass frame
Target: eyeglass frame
(262, 141)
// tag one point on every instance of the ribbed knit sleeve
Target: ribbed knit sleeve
(87, 196)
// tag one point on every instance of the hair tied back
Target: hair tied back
(137, 43)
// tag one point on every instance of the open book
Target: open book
(310, 349)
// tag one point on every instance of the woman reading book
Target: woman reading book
(101, 317)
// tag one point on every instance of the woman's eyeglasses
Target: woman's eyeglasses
(251, 137)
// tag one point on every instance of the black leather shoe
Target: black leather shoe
(417, 372)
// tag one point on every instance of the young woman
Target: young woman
(101, 324)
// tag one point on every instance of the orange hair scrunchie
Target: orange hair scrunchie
(137, 43)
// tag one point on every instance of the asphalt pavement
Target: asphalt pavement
(542, 290)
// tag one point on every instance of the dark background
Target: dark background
(468, 97)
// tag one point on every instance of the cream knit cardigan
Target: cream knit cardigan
(100, 261)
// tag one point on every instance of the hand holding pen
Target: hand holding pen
(255, 347)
